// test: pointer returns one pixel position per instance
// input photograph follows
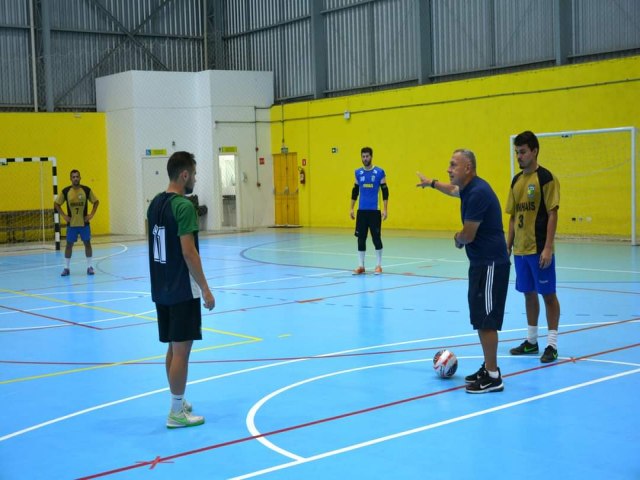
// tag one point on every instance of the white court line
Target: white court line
(250, 420)
(67, 303)
(139, 295)
(96, 260)
(238, 372)
(415, 260)
(91, 322)
(147, 294)
(215, 377)
(431, 426)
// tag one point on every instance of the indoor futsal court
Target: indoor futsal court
(308, 372)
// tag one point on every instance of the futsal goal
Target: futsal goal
(598, 176)
(27, 214)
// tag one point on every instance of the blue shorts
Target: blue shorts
(531, 278)
(73, 232)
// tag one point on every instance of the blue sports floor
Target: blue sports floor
(308, 372)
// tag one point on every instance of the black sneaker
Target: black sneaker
(550, 355)
(474, 376)
(525, 348)
(486, 384)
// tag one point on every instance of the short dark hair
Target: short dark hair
(178, 162)
(527, 138)
(74, 171)
(368, 150)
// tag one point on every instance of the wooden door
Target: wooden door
(286, 185)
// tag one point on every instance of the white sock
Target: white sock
(552, 338)
(176, 403)
(495, 374)
(532, 334)
(89, 261)
(379, 256)
(67, 262)
(361, 258)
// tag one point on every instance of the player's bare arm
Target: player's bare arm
(546, 255)
(467, 234)
(446, 188)
(194, 263)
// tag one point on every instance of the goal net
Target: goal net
(27, 216)
(598, 175)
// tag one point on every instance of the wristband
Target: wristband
(433, 183)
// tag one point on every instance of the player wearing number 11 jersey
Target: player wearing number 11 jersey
(177, 280)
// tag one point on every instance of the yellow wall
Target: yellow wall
(77, 140)
(417, 129)
(409, 129)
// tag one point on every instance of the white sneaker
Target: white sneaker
(183, 419)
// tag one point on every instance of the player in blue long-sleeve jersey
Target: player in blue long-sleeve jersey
(369, 181)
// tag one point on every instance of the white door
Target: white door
(229, 188)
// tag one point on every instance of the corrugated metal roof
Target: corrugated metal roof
(364, 44)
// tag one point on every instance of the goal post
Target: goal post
(26, 215)
(598, 176)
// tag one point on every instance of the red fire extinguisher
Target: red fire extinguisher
(302, 176)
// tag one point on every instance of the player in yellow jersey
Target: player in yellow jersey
(77, 198)
(533, 204)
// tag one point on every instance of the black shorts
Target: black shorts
(180, 322)
(368, 220)
(488, 285)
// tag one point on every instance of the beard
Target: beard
(188, 190)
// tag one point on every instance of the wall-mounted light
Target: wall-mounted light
(347, 114)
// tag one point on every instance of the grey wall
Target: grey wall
(316, 48)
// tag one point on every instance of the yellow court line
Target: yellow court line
(249, 339)
(233, 334)
(126, 362)
(117, 312)
(75, 304)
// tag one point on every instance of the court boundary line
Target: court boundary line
(431, 426)
(369, 409)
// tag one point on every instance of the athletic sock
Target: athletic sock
(552, 338)
(67, 262)
(176, 403)
(379, 256)
(495, 374)
(89, 262)
(361, 258)
(532, 334)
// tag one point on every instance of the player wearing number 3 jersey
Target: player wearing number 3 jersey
(533, 205)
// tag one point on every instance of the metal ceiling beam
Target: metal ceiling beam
(130, 34)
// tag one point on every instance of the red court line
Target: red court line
(348, 294)
(48, 317)
(322, 357)
(158, 459)
(116, 280)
